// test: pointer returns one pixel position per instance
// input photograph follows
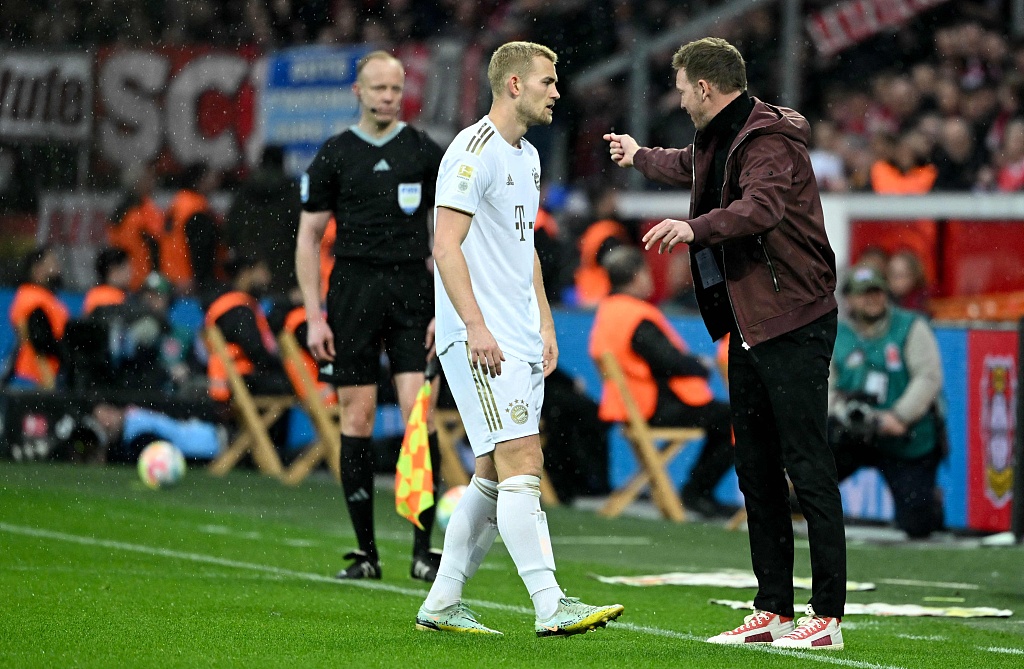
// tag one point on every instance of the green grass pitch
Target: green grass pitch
(97, 571)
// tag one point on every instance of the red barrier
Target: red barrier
(991, 428)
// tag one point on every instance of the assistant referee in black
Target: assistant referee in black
(377, 179)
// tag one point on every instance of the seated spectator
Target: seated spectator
(884, 386)
(1010, 174)
(188, 242)
(670, 385)
(875, 257)
(958, 158)
(153, 353)
(902, 167)
(600, 237)
(251, 342)
(826, 157)
(907, 283)
(39, 319)
(114, 271)
(137, 223)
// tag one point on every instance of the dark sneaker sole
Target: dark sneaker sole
(586, 625)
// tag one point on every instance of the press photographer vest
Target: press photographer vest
(877, 367)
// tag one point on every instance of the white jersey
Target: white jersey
(499, 186)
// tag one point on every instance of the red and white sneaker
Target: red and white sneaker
(813, 632)
(760, 627)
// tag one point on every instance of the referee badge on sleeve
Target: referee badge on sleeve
(409, 197)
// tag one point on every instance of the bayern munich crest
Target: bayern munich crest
(518, 411)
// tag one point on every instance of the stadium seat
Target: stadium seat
(255, 415)
(326, 420)
(654, 447)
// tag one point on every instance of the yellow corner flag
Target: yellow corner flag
(414, 475)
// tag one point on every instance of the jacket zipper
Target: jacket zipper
(728, 294)
(771, 265)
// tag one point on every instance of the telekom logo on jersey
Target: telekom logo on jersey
(521, 223)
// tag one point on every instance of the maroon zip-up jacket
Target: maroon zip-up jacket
(768, 236)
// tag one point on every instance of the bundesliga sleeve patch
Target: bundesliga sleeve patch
(465, 172)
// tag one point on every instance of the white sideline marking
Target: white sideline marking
(409, 592)
(918, 637)
(929, 584)
(1006, 651)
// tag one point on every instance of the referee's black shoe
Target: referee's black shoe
(362, 567)
(425, 565)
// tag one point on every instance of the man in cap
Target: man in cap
(884, 400)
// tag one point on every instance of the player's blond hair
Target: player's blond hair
(376, 55)
(515, 58)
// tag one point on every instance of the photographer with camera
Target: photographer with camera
(884, 389)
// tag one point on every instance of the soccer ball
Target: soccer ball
(446, 505)
(161, 464)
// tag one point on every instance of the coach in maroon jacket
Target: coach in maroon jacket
(764, 272)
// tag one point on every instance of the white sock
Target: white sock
(471, 531)
(524, 529)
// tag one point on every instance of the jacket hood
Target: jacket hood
(766, 118)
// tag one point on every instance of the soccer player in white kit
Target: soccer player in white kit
(496, 340)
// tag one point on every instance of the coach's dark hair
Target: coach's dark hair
(623, 263)
(713, 60)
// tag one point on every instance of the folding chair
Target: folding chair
(326, 420)
(644, 441)
(255, 415)
(449, 431)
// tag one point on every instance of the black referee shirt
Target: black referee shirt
(379, 190)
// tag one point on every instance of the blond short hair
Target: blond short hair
(376, 55)
(515, 58)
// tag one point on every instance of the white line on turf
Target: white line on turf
(409, 592)
(929, 584)
(1006, 651)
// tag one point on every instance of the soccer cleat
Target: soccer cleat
(575, 617)
(455, 618)
(759, 628)
(813, 632)
(425, 565)
(363, 567)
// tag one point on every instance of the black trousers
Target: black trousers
(717, 455)
(911, 482)
(779, 397)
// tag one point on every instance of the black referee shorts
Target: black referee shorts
(370, 308)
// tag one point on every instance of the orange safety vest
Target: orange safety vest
(175, 261)
(215, 371)
(617, 319)
(592, 284)
(546, 222)
(129, 234)
(295, 318)
(102, 296)
(27, 299)
(887, 179)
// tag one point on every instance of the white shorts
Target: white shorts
(496, 409)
